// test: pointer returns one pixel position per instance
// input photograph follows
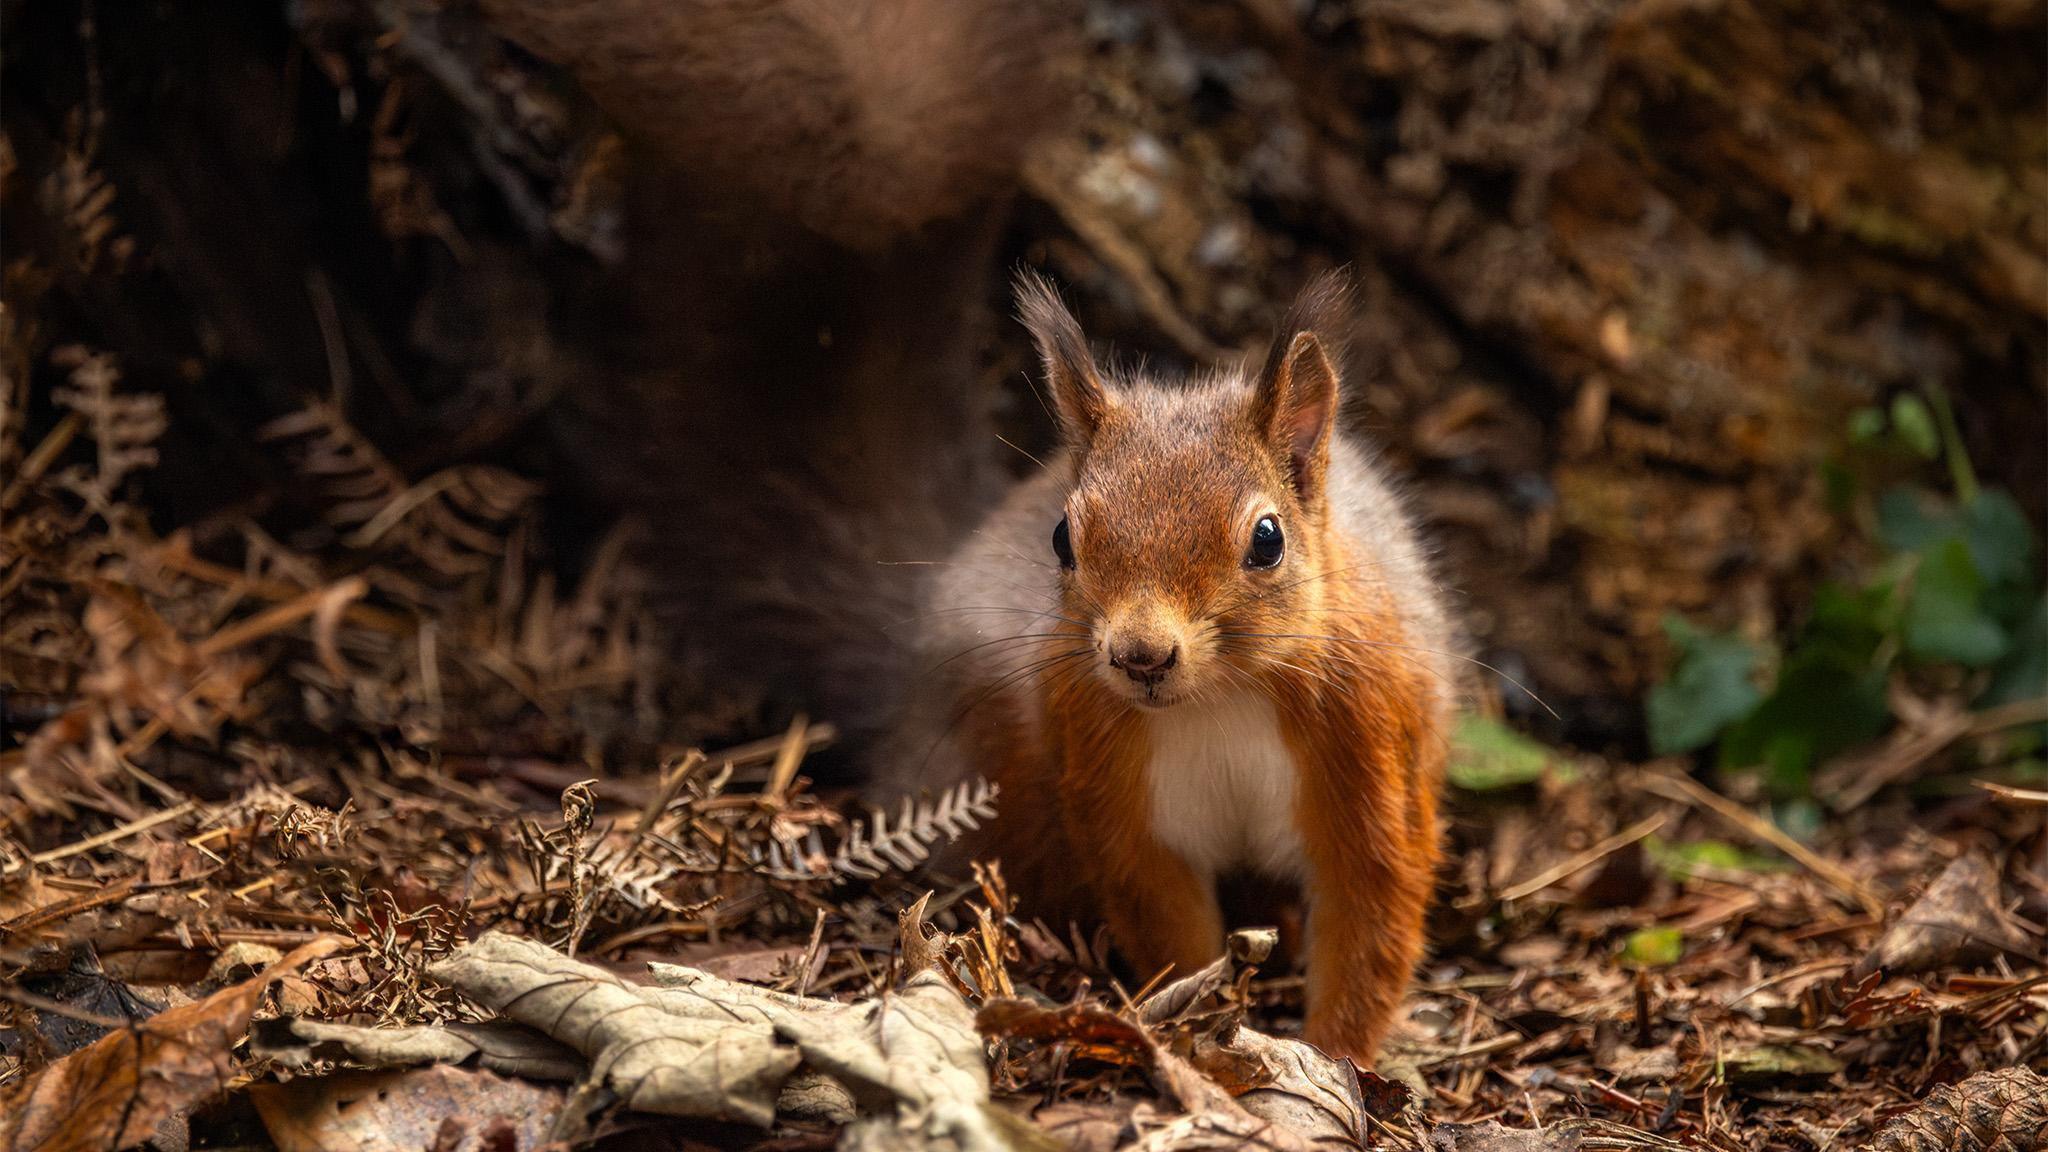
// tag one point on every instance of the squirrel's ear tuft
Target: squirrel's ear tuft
(1296, 399)
(1070, 372)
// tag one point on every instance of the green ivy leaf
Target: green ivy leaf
(2023, 674)
(1824, 702)
(1945, 617)
(1709, 689)
(2001, 541)
(1914, 520)
(1487, 756)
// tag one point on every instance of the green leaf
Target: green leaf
(1945, 617)
(1914, 520)
(1697, 856)
(2001, 541)
(1709, 689)
(2023, 674)
(1826, 701)
(1866, 425)
(1851, 624)
(1487, 756)
(1914, 424)
(1654, 947)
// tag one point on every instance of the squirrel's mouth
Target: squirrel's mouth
(1150, 697)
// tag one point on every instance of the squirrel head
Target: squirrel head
(1196, 537)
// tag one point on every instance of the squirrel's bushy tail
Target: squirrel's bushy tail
(861, 120)
(815, 200)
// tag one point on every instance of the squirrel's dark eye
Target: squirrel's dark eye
(1063, 543)
(1267, 544)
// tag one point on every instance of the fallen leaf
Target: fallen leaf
(114, 1093)
(1769, 1063)
(2001, 1111)
(507, 1049)
(1247, 948)
(1383, 1098)
(654, 1059)
(1654, 947)
(447, 1109)
(1960, 915)
(1488, 756)
(1086, 1126)
(1294, 1086)
(918, 1049)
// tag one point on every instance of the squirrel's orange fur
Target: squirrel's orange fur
(1169, 708)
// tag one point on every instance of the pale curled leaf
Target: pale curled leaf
(1290, 1084)
(507, 1049)
(914, 1052)
(654, 1059)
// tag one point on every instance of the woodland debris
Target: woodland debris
(440, 1108)
(114, 1093)
(1961, 914)
(1492, 1136)
(655, 1060)
(2001, 1111)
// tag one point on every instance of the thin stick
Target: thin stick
(112, 835)
(786, 760)
(1680, 788)
(2016, 795)
(280, 617)
(671, 783)
(1586, 859)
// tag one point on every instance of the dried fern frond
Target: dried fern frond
(873, 848)
(453, 524)
(123, 426)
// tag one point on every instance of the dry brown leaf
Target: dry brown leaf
(446, 1109)
(2001, 1111)
(1290, 1084)
(1214, 1117)
(1959, 915)
(1086, 1126)
(114, 1093)
(1247, 948)
(656, 1060)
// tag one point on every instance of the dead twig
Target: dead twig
(1678, 787)
(1591, 856)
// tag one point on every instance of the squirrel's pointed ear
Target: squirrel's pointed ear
(1077, 392)
(1297, 394)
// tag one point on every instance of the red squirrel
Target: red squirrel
(1203, 639)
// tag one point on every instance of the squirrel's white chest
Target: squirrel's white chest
(1222, 784)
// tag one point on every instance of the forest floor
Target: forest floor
(266, 799)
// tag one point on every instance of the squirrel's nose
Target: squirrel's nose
(1144, 661)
